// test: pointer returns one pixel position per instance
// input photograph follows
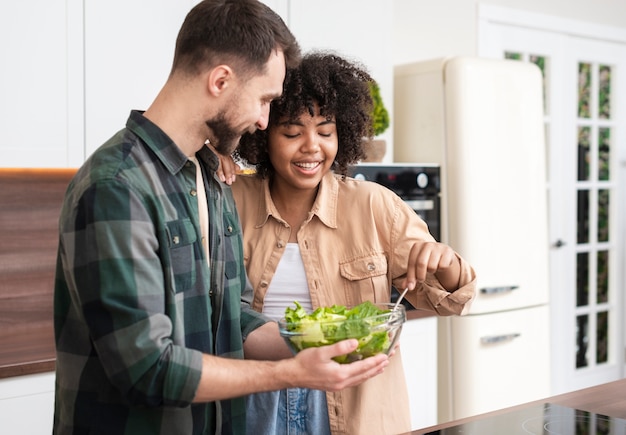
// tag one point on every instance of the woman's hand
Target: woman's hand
(227, 169)
(436, 258)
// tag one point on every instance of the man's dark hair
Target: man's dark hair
(241, 33)
(340, 88)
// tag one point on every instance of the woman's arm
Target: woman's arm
(228, 169)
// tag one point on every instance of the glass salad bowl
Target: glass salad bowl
(377, 326)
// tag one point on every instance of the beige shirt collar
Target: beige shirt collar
(324, 207)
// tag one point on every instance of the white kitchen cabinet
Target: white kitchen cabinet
(36, 103)
(125, 69)
(27, 404)
(77, 68)
(418, 343)
(129, 48)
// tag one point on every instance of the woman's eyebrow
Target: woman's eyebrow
(327, 121)
(289, 122)
(299, 123)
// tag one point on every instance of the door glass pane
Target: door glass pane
(582, 340)
(604, 92)
(602, 292)
(584, 90)
(594, 177)
(584, 149)
(602, 329)
(582, 209)
(582, 279)
(546, 135)
(604, 153)
(541, 62)
(512, 55)
(603, 215)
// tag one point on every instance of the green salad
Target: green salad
(328, 325)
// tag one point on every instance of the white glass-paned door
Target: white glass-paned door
(584, 92)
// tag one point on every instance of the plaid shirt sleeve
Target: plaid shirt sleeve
(112, 247)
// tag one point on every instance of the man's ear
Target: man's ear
(219, 79)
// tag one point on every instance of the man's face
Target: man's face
(248, 106)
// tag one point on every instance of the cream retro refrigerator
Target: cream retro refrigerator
(482, 121)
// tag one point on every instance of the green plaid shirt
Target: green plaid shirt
(136, 303)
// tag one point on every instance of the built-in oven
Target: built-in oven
(419, 185)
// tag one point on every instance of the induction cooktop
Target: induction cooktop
(542, 419)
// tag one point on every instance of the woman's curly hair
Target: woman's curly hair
(340, 88)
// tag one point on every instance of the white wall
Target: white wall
(430, 29)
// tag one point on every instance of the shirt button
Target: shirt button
(263, 284)
(230, 229)
(279, 244)
(176, 240)
(193, 192)
(371, 266)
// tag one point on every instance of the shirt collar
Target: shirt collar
(324, 207)
(162, 145)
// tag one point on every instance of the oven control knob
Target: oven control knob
(422, 180)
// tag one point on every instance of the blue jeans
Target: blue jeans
(294, 411)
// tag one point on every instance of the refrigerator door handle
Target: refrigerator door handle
(501, 289)
(491, 339)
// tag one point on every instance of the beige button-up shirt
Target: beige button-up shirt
(354, 245)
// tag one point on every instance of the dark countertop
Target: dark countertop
(28, 351)
(606, 399)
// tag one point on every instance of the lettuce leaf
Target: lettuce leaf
(328, 325)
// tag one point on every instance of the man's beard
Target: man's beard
(225, 139)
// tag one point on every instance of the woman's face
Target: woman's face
(303, 151)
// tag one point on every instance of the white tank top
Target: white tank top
(288, 285)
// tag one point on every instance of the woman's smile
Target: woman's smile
(308, 166)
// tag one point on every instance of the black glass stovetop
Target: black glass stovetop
(542, 419)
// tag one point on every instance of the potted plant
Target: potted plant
(380, 116)
(375, 148)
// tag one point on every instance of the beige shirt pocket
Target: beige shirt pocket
(365, 278)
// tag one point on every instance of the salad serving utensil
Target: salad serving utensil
(395, 307)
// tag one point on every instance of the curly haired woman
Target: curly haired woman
(314, 235)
